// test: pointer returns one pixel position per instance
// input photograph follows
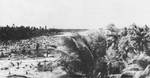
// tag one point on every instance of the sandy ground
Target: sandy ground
(28, 67)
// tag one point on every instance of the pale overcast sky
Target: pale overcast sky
(74, 13)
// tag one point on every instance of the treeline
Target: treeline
(24, 32)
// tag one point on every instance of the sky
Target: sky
(74, 13)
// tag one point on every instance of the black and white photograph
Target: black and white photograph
(74, 38)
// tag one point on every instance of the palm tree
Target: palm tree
(89, 49)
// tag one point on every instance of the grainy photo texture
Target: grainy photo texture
(74, 39)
